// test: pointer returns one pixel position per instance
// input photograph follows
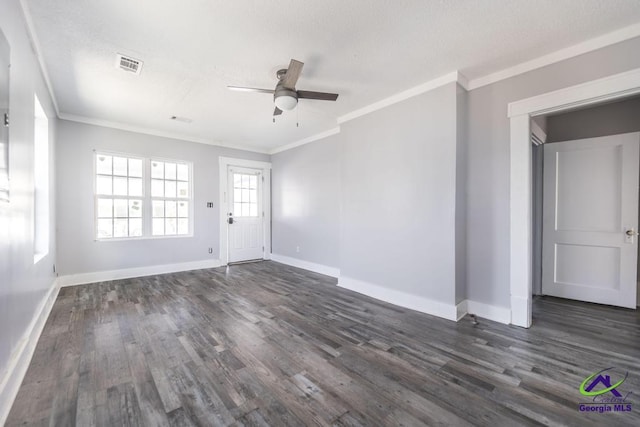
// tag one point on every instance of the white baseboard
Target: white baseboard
(21, 357)
(399, 298)
(490, 312)
(128, 273)
(521, 308)
(306, 265)
(462, 309)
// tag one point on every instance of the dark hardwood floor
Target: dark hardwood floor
(267, 344)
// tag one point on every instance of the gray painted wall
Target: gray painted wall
(23, 285)
(78, 252)
(488, 180)
(609, 119)
(461, 193)
(399, 196)
(306, 202)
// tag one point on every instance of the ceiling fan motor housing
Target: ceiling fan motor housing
(285, 99)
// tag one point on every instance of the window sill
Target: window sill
(129, 239)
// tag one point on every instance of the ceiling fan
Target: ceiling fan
(285, 95)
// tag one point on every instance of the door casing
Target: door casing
(617, 86)
(265, 167)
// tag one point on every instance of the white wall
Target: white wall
(78, 252)
(306, 202)
(488, 180)
(23, 285)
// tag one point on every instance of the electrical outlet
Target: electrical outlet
(210, 250)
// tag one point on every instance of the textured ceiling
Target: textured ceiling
(365, 50)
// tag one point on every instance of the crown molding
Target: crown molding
(590, 45)
(307, 140)
(452, 77)
(154, 132)
(35, 43)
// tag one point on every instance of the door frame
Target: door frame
(520, 208)
(265, 167)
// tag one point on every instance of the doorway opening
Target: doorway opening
(585, 203)
(520, 216)
(245, 210)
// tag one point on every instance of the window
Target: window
(119, 193)
(170, 198)
(41, 225)
(138, 197)
(245, 195)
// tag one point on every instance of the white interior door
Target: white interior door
(590, 219)
(245, 218)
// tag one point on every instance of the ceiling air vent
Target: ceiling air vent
(128, 64)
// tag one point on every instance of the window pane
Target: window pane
(120, 208)
(183, 209)
(170, 171)
(105, 228)
(170, 209)
(105, 208)
(253, 196)
(135, 167)
(157, 188)
(245, 209)
(245, 181)
(237, 195)
(103, 165)
(253, 181)
(237, 180)
(135, 208)
(121, 228)
(183, 226)
(119, 186)
(171, 226)
(157, 170)
(253, 210)
(169, 189)
(245, 196)
(135, 227)
(237, 209)
(158, 208)
(158, 226)
(135, 187)
(183, 189)
(103, 185)
(183, 172)
(120, 166)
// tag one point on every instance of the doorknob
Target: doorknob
(230, 220)
(631, 232)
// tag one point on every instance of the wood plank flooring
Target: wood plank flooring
(267, 344)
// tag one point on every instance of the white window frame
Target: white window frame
(41, 186)
(150, 198)
(97, 196)
(147, 214)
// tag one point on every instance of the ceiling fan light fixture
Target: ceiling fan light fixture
(286, 102)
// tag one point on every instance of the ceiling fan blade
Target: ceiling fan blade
(250, 89)
(277, 112)
(293, 72)
(322, 96)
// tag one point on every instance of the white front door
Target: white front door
(590, 219)
(245, 218)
